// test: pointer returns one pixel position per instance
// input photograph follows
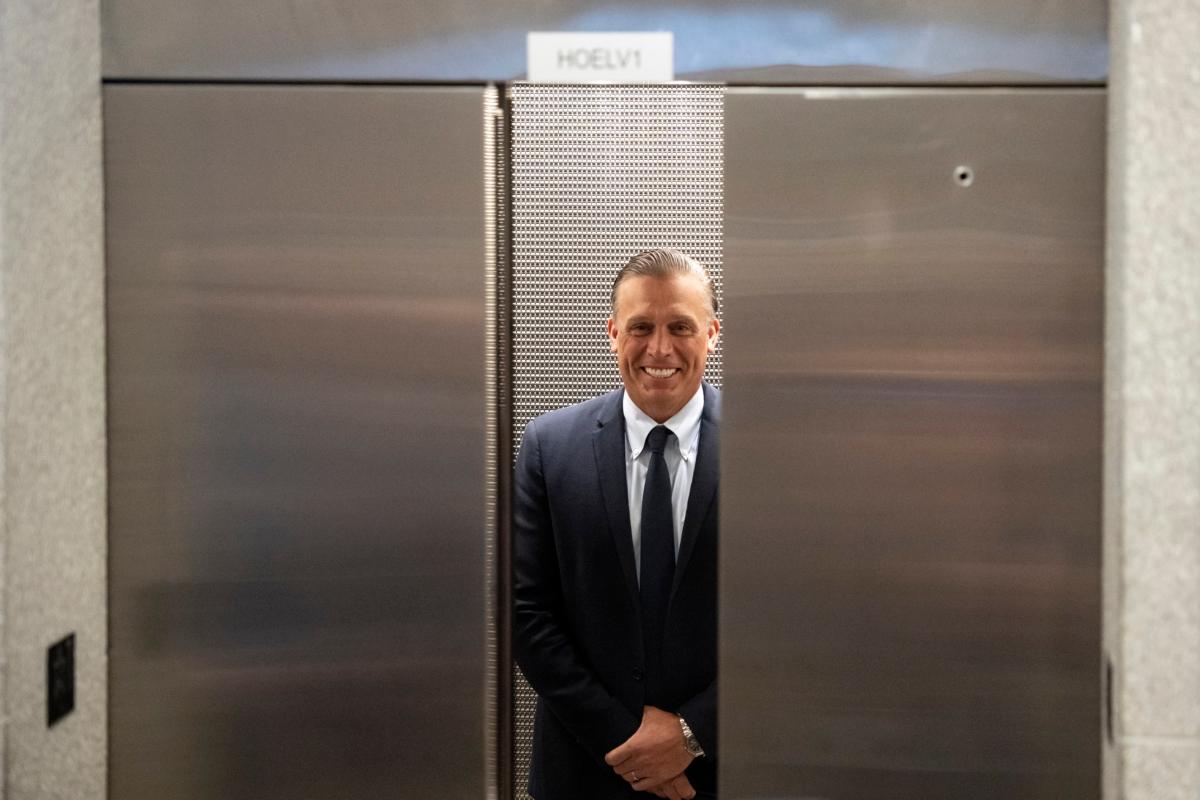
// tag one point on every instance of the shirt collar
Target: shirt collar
(685, 425)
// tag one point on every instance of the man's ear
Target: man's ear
(612, 335)
(714, 333)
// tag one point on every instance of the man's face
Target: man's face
(662, 331)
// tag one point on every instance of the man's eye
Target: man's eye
(639, 329)
(682, 330)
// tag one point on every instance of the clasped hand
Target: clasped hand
(654, 758)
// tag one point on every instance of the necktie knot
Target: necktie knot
(656, 440)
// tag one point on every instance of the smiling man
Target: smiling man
(615, 555)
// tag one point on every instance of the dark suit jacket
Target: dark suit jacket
(577, 634)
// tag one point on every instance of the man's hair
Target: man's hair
(663, 262)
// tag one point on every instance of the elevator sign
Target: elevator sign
(600, 57)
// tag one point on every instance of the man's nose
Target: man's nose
(660, 342)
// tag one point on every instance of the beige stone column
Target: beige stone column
(52, 429)
(1152, 470)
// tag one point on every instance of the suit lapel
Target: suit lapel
(704, 481)
(608, 443)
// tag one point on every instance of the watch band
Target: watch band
(690, 743)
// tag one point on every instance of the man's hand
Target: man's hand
(654, 758)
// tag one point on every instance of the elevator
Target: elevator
(348, 263)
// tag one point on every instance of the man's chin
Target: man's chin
(660, 394)
(659, 401)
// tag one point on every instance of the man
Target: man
(615, 555)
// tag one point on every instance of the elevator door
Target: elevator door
(910, 595)
(296, 316)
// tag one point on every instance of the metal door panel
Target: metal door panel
(296, 321)
(910, 598)
(770, 42)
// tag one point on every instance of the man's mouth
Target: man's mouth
(660, 372)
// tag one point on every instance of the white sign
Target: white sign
(592, 57)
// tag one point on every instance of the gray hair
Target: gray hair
(663, 262)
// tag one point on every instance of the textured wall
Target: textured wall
(52, 529)
(1153, 436)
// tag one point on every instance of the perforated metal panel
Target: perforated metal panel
(599, 172)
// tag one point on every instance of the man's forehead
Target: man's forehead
(632, 313)
(690, 291)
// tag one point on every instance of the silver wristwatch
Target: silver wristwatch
(689, 740)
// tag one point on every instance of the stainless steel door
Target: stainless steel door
(910, 598)
(297, 393)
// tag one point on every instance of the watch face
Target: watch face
(689, 740)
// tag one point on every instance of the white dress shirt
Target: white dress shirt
(680, 453)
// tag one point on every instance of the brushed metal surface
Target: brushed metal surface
(910, 603)
(598, 173)
(498, 552)
(769, 42)
(296, 317)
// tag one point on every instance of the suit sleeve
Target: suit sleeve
(701, 715)
(542, 646)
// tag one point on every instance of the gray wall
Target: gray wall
(1152, 508)
(52, 484)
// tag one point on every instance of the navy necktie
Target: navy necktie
(658, 559)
